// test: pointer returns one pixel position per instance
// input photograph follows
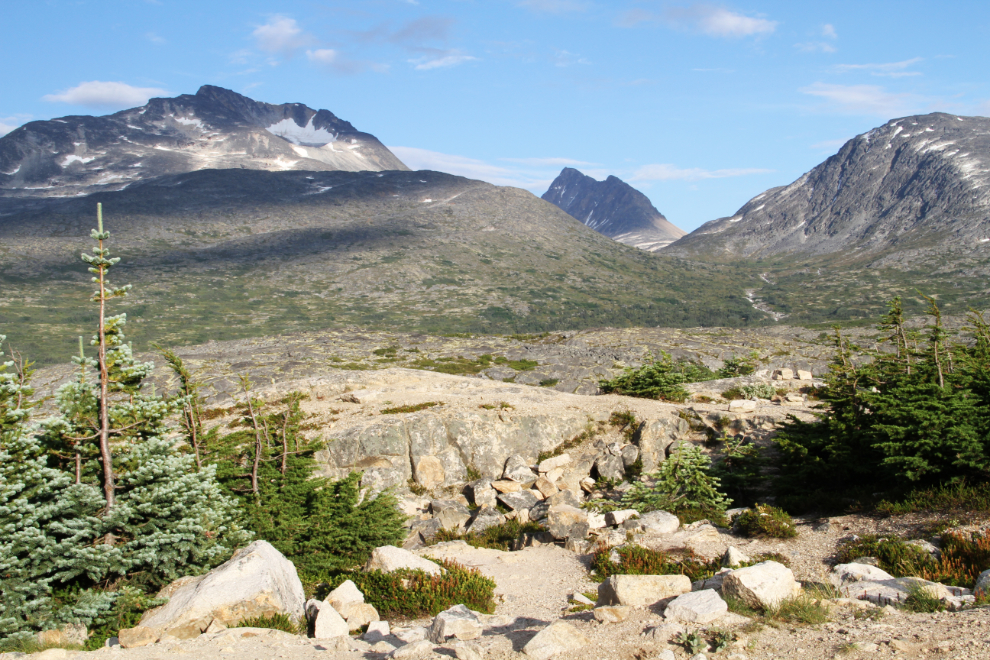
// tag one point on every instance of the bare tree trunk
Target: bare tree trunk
(257, 447)
(78, 466)
(192, 436)
(109, 490)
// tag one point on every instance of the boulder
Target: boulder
(783, 374)
(388, 558)
(564, 521)
(596, 520)
(742, 405)
(564, 496)
(422, 532)
(484, 518)
(481, 493)
(641, 590)
(359, 615)
(655, 436)
(554, 463)
(733, 557)
(325, 620)
(506, 486)
(618, 517)
(699, 607)
(545, 486)
(451, 513)
(524, 499)
(629, 455)
(608, 466)
(846, 574)
(458, 621)
(429, 472)
(611, 613)
(804, 375)
(714, 582)
(558, 637)
(413, 651)
(897, 590)
(256, 581)
(762, 585)
(658, 522)
(131, 638)
(517, 469)
(982, 588)
(346, 594)
(377, 632)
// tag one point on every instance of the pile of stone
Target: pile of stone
(866, 582)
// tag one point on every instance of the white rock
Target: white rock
(763, 585)
(846, 574)
(327, 622)
(377, 631)
(554, 463)
(742, 405)
(580, 598)
(733, 557)
(558, 637)
(256, 581)
(359, 615)
(804, 375)
(596, 520)
(696, 607)
(618, 517)
(659, 522)
(412, 651)
(429, 472)
(410, 635)
(641, 590)
(458, 621)
(466, 651)
(611, 613)
(388, 558)
(666, 654)
(346, 594)
(783, 374)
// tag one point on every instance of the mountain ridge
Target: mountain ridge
(624, 214)
(212, 129)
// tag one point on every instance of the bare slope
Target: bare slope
(613, 208)
(912, 189)
(214, 128)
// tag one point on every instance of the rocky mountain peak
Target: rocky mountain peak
(914, 186)
(612, 207)
(215, 128)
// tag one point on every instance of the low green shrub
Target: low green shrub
(658, 379)
(758, 390)
(894, 555)
(637, 560)
(961, 496)
(733, 393)
(962, 560)
(411, 409)
(277, 621)
(922, 600)
(497, 537)
(739, 366)
(765, 521)
(414, 593)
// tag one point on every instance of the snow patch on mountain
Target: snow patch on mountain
(308, 135)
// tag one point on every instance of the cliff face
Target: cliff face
(613, 208)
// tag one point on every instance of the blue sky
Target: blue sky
(699, 105)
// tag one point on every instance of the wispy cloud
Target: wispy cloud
(154, 38)
(472, 168)
(281, 35)
(7, 124)
(887, 69)
(828, 31)
(667, 172)
(333, 60)
(564, 58)
(712, 20)
(863, 99)
(438, 59)
(105, 95)
(555, 6)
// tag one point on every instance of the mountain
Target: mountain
(226, 254)
(904, 194)
(612, 207)
(212, 129)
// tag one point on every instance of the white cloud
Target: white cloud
(863, 99)
(815, 47)
(105, 95)
(564, 58)
(326, 56)
(828, 31)
(154, 38)
(667, 172)
(7, 124)
(441, 59)
(887, 69)
(718, 21)
(472, 168)
(280, 34)
(335, 60)
(555, 6)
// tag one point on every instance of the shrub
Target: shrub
(733, 393)
(962, 560)
(411, 409)
(766, 521)
(497, 537)
(637, 560)
(414, 593)
(758, 390)
(741, 366)
(922, 600)
(277, 621)
(740, 469)
(682, 483)
(657, 379)
(898, 558)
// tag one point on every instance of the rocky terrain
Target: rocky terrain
(909, 191)
(497, 429)
(212, 129)
(614, 208)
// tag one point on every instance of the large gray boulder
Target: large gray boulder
(655, 436)
(256, 581)
(524, 499)
(699, 607)
(388, 558)
(658, 522)
(564, 521)
(458, 621)
(762, 586)
(517, 469)
(641, 590)
(608, 466)
(845, 574)
(481, 493)
(451, 513)
(559, 637)
(484, 518)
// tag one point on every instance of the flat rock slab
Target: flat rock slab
(641, 590)
(762, 585)
(559, 637)
(389, 558)
(699, 607)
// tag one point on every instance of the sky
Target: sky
(699, 105)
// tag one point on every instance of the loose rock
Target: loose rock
(388, 558)
(558, 637)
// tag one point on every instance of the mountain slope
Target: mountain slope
(613, 208)
(213, 129)
(223, 254)
(902, 194)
